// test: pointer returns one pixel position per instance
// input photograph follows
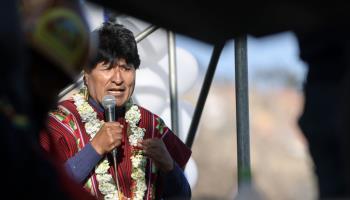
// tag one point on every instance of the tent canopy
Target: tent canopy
(215, 21)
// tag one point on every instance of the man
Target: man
(25, 99)
(325, 117)
(150, 158)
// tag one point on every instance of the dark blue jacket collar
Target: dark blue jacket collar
(99, 108)
(97, 105)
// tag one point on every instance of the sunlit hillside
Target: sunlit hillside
(281, 165)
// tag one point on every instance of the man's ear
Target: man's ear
(85, 78)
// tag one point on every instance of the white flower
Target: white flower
(106, 183)
(133, 116)
(92, 127)
(84, 109)
(112, 196)
(102, 167)
(106, 187)
(104, 177)
(133, 140)
(137, 135)
(138, 161)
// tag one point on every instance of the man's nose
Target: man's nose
(117, 75)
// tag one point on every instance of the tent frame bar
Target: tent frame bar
(204, 92)
(173, 82)
(242, 113)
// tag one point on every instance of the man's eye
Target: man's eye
(126, 67)
(106, 67)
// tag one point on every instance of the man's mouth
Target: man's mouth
(116, 91)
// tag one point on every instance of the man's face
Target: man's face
(117, 80)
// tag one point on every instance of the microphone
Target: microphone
(109, 102)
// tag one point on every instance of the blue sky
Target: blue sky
(270, 52)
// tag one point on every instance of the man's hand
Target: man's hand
(156, 150)
(108, 137)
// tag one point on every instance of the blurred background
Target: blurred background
(281, 164)
(280, 161)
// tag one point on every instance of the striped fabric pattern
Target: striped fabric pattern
(66, 135)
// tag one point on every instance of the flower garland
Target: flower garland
(106, 184)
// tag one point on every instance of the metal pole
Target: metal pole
(139, 37)
(173, 82)
(242, 113)
(204, 93)
(71, 86)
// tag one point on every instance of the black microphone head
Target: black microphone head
(109, 101)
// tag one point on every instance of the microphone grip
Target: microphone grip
(110, 117)
(110, 114)
(114, 153)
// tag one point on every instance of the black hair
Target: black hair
(115, 41)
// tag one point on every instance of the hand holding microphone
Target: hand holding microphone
(109, 137)
(114, 129)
